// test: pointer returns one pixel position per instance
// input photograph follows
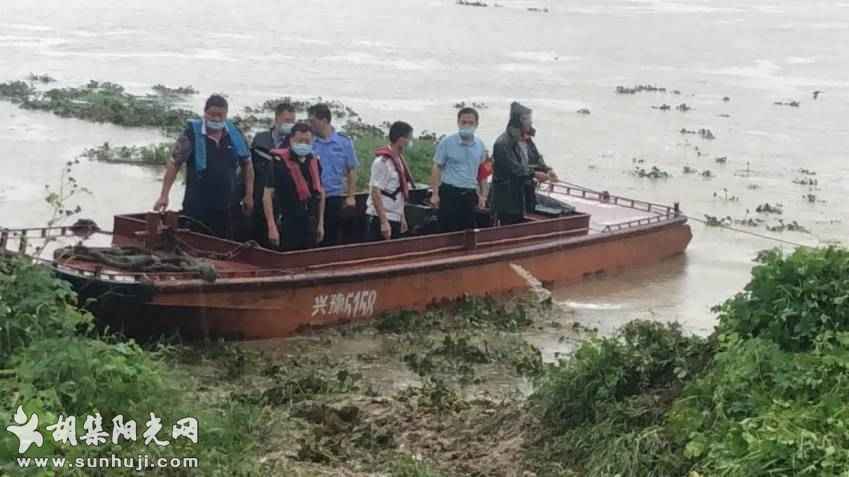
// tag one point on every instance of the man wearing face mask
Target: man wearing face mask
(517, 168)
(275, 138)
(457, 188)
(389, 186)
(213, 150)
(295, 185)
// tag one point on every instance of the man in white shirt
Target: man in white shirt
(389, 186)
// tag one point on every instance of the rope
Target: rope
(749, 232)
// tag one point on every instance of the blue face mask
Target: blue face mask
(302, 149)
(214, 125)
(467, 133)
(285, 128)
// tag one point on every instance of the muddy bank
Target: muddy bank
(440, 393)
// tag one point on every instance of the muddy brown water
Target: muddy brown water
(388, 64)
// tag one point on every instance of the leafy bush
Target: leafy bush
(643, 357)
(791, 300)
(58, 368)
(602, 411)
(34, 306)
(761, 410)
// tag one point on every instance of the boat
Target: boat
(203, 286)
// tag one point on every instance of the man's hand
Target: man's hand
(274, 237)
(161, 204)
(248, 205)
(385, 229)
(319, 232)
(350, 201)
(404, 228)
(434, 199)
(481, 202)
(541, 176)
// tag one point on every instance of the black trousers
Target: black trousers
(457, 208)
(297, 233)
(510, 219)
(373, 229)
(337, 230)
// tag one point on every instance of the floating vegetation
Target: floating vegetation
(538, 10)
(807, 172)
(750, 221)
(724, 115)
(653, 173)
(768, 208)
(179, 91)
(753, 187)
(16, 91)
(806, 181)
(721, 160)
(704, 133)
(690, 170)
(583, 111)
(101, 102)
(40, 78)
(339, 109)
(151, 154)
(792, 104)
(471, 104)
(472, 3)
(707, 174)
(789, 227)
(812, 198)
(726, 99)
(662, 107)
(676, 92)
(816, 94)
(639, 89)
(725, 196)
(683, 107)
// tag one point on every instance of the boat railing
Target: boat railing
(660, 212)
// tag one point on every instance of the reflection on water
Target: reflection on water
(388, 63)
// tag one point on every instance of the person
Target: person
(277, 137)
(295, 185)
(213, 150)
(517, 168)
(339, 165)
(389, 186)
(456, 185)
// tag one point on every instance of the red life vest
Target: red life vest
(301, 187)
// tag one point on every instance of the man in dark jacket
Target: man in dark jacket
(518, 167)
(263, 143)
(214, 151)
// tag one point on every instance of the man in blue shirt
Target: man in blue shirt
(338, 172)
(456, 188)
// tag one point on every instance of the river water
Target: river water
(413, 60)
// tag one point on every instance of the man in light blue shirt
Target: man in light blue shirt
(338, 172)
(457, 189)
